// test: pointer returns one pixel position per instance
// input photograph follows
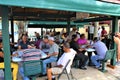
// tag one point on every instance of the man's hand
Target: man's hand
(53, 54)
(48, 55)
(116, 39)
(81, 49)
(89, 46)
(15, 55)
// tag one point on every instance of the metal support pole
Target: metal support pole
(6, 45)
(12, 29)
(68, 25)
(41, 32)
(114, 29)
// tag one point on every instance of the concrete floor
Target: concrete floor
(91, 74)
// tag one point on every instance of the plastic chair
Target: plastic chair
(109, 55)
(32, 68)
(14, 67)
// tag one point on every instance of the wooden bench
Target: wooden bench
(109, 55)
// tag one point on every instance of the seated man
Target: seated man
(68, 55)
(53, 53)
(83, 59)
(101, 49)
(27, 55)
(44, 45)
(13, 65)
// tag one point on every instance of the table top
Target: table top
(19, 59)
(90, 50)
(83, 46)
(16, 59)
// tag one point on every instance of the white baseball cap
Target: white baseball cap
(51, 38)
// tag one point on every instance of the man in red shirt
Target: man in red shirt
(104, 32)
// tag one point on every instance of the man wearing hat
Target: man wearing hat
(53, 53)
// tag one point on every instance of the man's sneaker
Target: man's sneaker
(83, 68)
(42, 75)
(52, 79)
(98, 67)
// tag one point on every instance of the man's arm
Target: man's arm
(1, 54)
(17, 53)
(40, 45)
(53, 54)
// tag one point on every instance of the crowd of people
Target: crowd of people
(73, 43)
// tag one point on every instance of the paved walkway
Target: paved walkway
(91, 74)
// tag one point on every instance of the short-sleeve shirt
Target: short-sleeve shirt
(100, 48)
(44, 46)
(65, 57)
(104, 32)
(54, 48)
(75, 46)
(1, 58)
(24, 45)
(82, 41)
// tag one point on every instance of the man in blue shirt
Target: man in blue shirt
(101, 49)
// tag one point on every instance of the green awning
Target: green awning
(55, 23)
(90, 6)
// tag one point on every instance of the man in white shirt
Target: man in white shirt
(90, 32)
(69, 54)
(99, 32)
(72, 32)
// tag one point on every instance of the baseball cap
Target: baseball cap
(51, 38)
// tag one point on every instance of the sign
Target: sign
(112, 1)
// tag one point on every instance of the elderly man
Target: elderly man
(53, 53)
(69, 54)
(101, 49)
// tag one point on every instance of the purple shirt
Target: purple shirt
(100, 48)
(81, 41)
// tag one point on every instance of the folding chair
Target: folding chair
(32, 68)
(66, 72)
